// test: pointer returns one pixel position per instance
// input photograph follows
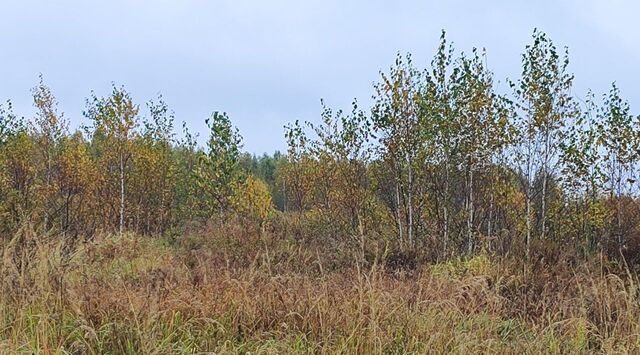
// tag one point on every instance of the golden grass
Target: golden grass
(136, 295)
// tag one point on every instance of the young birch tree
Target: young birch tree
(484, 128)
(618, 136)
(115, 119)
(544, 105)
(50, 127)
(396, 119)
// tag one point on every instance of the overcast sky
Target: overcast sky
(267, 63)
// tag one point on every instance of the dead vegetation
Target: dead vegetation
(139, 295)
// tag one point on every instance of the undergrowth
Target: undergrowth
(129, 294)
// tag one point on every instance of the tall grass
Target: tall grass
(135, 295)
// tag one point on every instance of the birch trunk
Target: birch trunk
(122, 194)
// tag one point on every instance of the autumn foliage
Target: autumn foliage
(453, 215)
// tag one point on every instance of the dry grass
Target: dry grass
(135, 295)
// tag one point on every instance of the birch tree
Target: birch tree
(544, 105)
(619, 139)
(484, 129)
(50, 128)
(396, 115)
(115, 119)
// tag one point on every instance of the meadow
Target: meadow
(130, 294)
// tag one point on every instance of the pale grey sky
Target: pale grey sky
(267, 63)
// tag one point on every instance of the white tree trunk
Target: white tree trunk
(122, 193)
(470, 211)
(446, 209)
(410, 207)
(398, 214)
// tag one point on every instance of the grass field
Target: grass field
(141, 295)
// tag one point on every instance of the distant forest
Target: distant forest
(442, 165)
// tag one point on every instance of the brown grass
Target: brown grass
(137, 295)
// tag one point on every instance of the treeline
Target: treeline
(443, 164)
(124, 171)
